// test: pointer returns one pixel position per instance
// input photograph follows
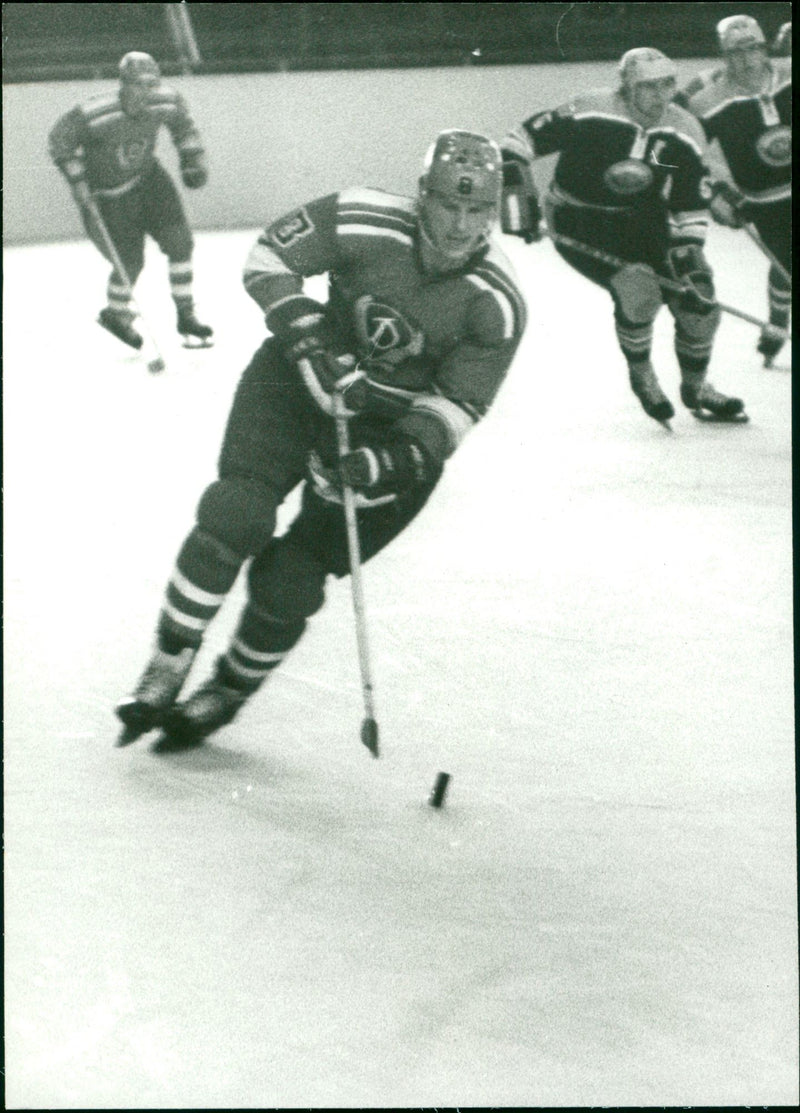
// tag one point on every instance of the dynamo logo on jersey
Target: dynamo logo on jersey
(386, 336)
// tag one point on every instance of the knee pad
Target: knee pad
(637, 293)
(239, 513)
(287, 582)
(177, 243)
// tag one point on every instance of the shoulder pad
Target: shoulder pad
(685, 125)
(595, 100)
(376, 199)
(782, 68)
(99, 103)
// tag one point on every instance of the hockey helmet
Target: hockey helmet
(645, 63)
(464, 166)
(138, 68)
(738, 32)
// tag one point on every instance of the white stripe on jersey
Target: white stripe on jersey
(506, 308)
(263, 261)
(373, 230)
(375, 199)
(457, 423)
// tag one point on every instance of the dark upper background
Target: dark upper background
(52, 42)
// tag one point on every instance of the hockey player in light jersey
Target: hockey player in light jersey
(745, 106)
(630, 181)
(105, 147)
(421, 324)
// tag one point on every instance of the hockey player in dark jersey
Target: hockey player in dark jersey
(782, 44)
(629, 181)
(104, 147)
(420, 327)
(745, 106)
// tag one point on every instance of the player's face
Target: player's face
(747, 64)
(649, 99)
(455, 225)
(135, 96)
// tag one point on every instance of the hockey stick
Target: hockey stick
(155, 362)
(369, 727)
(665, 283)
(753, 233)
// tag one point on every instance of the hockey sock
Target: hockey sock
(204, 573)
(119, 297)
(634, 340)
(180, 284)
(779, 292)
(259, 645)
(693, 356)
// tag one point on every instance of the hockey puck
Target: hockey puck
(439, 790)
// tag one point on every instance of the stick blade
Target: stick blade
(369, 736)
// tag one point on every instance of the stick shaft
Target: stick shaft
(354, 551)
(754, 235)
(665, 283)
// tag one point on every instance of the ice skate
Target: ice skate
(213, 705)
(155, 694)
(708, 404)
(645, 386)
(770, 343)
(121, 326)
(195, 334)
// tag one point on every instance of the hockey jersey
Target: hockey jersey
(608, 161)
(754, 130)
(435, 347)
(97, 141)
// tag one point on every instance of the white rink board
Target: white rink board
(589, 628)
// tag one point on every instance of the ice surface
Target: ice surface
(590, 629)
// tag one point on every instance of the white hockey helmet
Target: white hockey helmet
(138, 68)
(644, 63)
(738, 31)
(463, 165)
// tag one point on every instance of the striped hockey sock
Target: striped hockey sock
(259, 645)
(204, 573)
(181, 277)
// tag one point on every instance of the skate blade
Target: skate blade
(128, 736)
(197, 343)
(175, 744)
(720, 419)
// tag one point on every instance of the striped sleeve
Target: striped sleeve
(470, 376)
(373, 215)
(65, 145)
(174, 111)
(297, 245)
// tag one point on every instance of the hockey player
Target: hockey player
(630, 181)
(782, 46)
(104, 147)
(745, 106)
(420, 327)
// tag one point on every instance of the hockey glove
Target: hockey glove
(307, 343)
(688, 265)
(377, 473)
(194, 172)
(520, 211)
(726, 205)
